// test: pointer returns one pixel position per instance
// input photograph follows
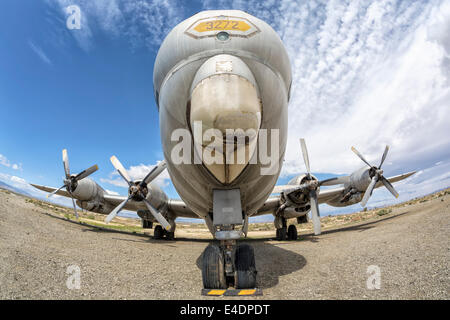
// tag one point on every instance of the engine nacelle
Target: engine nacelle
(158, 199)
(354, 189)
(350, 197)
(296, 212)
(360, 179)
(95, 206)
(87, 189)
(299, 197)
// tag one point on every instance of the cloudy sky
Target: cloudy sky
(365, 74)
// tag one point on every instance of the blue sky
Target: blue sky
(365, 74)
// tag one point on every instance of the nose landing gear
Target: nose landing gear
(228, 265)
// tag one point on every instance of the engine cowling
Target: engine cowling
(300, 197)
(360, 179)
(158, 199)
(95, 206)
(86, 190)
(354, 189)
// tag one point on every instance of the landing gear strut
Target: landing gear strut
(227, 265)
(284, 232)
(281, 232)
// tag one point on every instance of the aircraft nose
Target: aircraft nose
(225, 101)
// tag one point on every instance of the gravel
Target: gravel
(410, 246)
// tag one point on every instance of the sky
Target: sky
(365, 74)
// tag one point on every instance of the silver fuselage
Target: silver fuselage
(258, 60)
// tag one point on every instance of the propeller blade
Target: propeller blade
(117, 209)
(305, 155)
(384, 156)
(389, 186)
(66, 163)
(83, 174)
(74, 206)
(315, 212)
(119, 167)
(158, 216)
(360, 156)
(369, 191)
(50, 194)
(156, 171)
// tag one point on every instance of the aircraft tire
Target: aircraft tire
(158, 233)
(292, 232)
(170, 235)
(245, 267)
(213, 271)
(281, 234)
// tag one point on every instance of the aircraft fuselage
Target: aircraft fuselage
(222, 70)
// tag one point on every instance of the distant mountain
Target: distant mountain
(6, 186)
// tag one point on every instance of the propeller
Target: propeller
(71, 181)
(376, 174)
(138, 191)
(313, 185)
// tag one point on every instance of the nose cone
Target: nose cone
(225, 102)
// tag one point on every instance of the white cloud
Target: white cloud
(82, 36)
(112, 192)
(137, 173)
(148, 22)
(40, 53)
(22, 184)
(5, 162)
(365, 74)
(143, 23)
(424, 182)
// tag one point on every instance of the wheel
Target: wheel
(170, 235)
(159, 232)
(147, 224)
(281, 234)
(292, 232)
(245, 267)
(302, 219)
(213, 272)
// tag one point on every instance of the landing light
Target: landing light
(223, 36)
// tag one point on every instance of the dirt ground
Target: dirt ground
(409, 246)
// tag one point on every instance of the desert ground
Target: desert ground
(408, 243)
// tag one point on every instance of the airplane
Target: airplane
(222, 82)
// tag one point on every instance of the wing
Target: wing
(61, 192)
(269, 207)
(113, 200)
(179, 209)
(273, 203)
(327, 194)
(396, 178)
(176, 208)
